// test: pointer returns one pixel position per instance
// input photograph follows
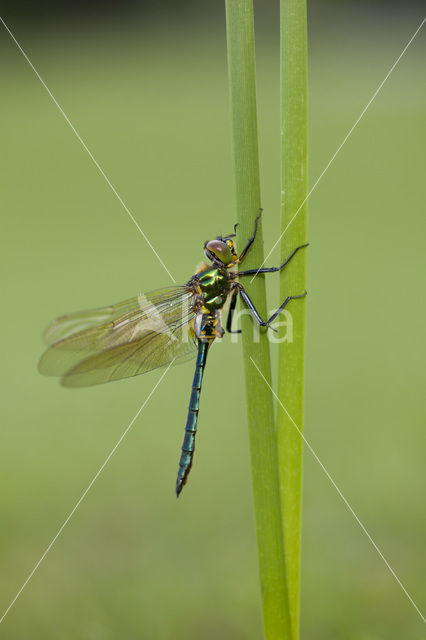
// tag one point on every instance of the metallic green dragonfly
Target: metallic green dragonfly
(155, 329)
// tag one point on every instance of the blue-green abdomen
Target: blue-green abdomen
(185, 462)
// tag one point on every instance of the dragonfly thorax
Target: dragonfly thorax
(214, 286)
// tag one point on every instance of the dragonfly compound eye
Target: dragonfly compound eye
(220, 250)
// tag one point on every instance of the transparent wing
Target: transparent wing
(133, 337)
(150, 352)
(72, 323)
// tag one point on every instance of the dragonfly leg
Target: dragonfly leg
(231, 313)
(250, 242)
(256, 314)
(232, 235)
(272, 269)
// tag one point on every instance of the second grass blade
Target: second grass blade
(293, 281)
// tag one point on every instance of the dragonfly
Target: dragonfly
(156, 329)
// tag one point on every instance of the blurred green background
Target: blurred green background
(149, 97)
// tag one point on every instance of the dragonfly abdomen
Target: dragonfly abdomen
(188, 446)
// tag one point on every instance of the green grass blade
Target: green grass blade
(241, 64)
(293, 281)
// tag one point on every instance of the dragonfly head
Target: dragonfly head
(221, 251)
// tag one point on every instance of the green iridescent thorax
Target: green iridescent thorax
(215, 285)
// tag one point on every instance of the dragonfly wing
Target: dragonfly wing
(67, 325)
(132, 326)
(151, 351)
